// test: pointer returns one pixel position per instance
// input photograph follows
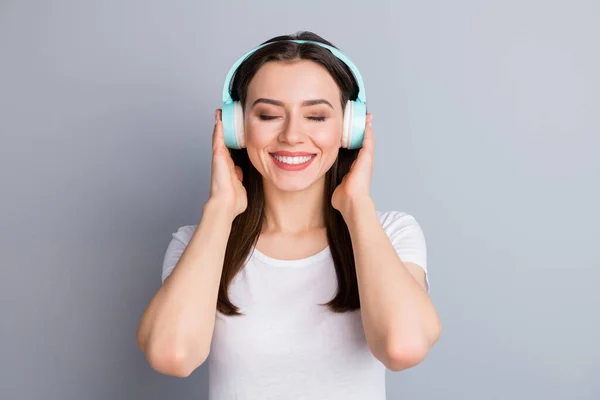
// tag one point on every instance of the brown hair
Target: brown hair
(247, 226)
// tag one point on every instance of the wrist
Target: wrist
(220, 209)
(357, 206)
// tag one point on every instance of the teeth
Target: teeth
(292, 160)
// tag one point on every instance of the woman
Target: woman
(269, 280)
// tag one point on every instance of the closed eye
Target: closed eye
(272, 117)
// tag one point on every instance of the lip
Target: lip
(292, 167)
(284, 153)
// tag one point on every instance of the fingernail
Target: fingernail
(216, 116)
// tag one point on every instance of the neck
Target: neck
(294, 212)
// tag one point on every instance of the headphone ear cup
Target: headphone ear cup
(347, 127)
(233, 125)
(357, 123)
(227, 119)
(238, 122)
(355, 118)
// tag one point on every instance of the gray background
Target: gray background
(487, 130)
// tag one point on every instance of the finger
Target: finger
(218, 139)
(214, 136)
(239, 173)
(368, 140)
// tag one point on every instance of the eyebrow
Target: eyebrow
(305, 103)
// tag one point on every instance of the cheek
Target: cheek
(255, 135)
(256, 141)
(328, 140)
(329, 144)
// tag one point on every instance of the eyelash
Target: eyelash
(269, 118)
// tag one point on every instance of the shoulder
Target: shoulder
(406, 235)
(179, 241)
(184, 234)
(397, 221)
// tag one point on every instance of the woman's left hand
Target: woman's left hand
(355, 186)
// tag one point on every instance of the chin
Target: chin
(296, 182)
(293, 186)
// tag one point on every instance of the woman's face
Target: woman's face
(293, 123)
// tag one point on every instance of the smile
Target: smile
(292, 163)
(292, 160)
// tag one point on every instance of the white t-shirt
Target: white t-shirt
(286, 346)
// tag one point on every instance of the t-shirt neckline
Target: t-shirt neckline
(301, 262)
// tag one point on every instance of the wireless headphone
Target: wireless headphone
(355, 112)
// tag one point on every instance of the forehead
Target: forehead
(293, 82)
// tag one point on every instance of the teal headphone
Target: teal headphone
(355, 112)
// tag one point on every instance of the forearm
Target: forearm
(177, 327)
(399, 319)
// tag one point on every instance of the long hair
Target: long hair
(247, 226)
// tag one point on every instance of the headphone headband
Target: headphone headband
(361, 87)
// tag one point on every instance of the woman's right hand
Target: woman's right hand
(226, 188)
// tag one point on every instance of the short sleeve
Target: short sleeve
(177, 245)
(407, 237)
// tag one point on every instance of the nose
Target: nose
(292, 132)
